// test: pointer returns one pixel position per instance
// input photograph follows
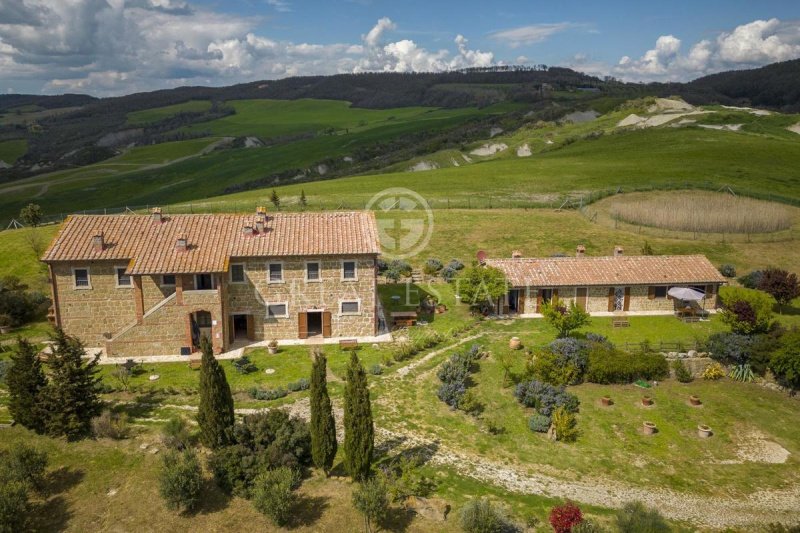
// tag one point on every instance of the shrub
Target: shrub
(549, 367)
(23, 464)
(545, 398)
(609, 365)
(564, 517)
(682, 373)
(451, 393)
(572, 351)
(746, 311)
(19, 305)
(780, 284)
(448, 273)
(730, 348)
(455, 264)
(481, 516)
(565, 320)
(175, 433)
(4, 366)
(727, 270)
(371, 499)
(565, 425)
(479, 286)
(14, 506)
(110, 425)
(785, 362)
(714, 372)
(267, 394)
(742, 373)
(299, 385)
(180, 480)
(273, 493)
(432, 267)
(376, 369)
(401, 266)
(382, 266)
(470, 403)
(634, 517)
(751, 280)
(393, 274)
(262, 441)
(539, 423)
(586, 527)
(244, 365)
(454, 374)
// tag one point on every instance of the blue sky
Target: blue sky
(118, 46)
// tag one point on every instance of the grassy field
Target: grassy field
(10, 151)
(159, 113)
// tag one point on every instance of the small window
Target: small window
(168, 280)
(123, 279)
(277, 311)
(660, 292)
(348, 270)
(275, 272)
(237, 273)
(203, 320)
(350, 308)
(312, 271)
(81, 278)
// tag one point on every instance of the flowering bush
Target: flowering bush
(564, 517)
(714, 372)
(545, 398)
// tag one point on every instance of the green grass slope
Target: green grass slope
(155, 114)
(12, 150)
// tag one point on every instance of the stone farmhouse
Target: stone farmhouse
(605, 285)
(155, 284)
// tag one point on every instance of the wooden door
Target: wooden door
(231, 331)
(302, 325)
(582, 297)
(610, 299)
(521, 302)
(251, 327)
(554, 298)
(627, 302)
(326, 323)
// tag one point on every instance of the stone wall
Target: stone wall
(597, 301)
(92, 313)
(252, 296)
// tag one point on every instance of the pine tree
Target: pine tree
(303, 200)
(358, 429)
(26, 382)
(323, 426)
(215, 414)
(275, 199)
(72, 397)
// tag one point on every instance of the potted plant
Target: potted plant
(694, 400)
(272, 347)
(606, 401)
(703, 431)
(649, 428)
(5, 323)
(515, 343)
(647, 400)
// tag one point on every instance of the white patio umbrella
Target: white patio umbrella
(686, 294)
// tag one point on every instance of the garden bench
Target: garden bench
(404, 318)
(195, 363)
(348, 344)
(620, 322)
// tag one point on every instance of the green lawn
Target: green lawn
(10, 151)
(20, 254)
(159, 113)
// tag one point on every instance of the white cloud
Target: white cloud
(750, 45)
(119, 46)
(527, 35)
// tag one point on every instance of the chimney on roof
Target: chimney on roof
(260, 225)
(98, 242)
(247, 230)
(261, 212)
(618, 251)
(155, 214)
(516, 254)
(182, 244)
(580, 251)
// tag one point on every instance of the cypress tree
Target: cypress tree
(215, 414)
(72, 397)
(358, 429)
(26, 382)
(323, 426)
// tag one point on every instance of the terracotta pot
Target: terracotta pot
(272, 349)
(704, 431)
(515, 343)
(606, 400)
(5, 330)
(441, 308)
(694, 400)
(649, 428)
(647, 401)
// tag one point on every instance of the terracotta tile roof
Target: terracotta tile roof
(608, 271)
(150, 247)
